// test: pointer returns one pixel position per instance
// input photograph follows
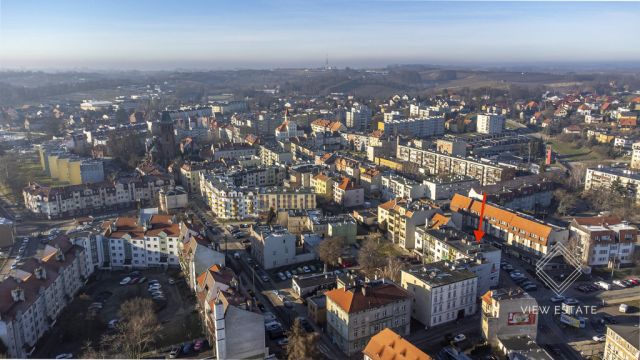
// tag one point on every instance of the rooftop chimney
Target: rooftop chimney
(17, 294)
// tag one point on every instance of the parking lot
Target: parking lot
(98, 303)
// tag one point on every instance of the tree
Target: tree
(127, 148)
(566, 201)
(393, 268)
(330, 250)
(137, 328)
(371, 258)
(302, 345)
(272, 215)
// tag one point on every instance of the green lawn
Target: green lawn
(32, 171)
(570, 150)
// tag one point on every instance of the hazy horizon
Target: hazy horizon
(254, 34)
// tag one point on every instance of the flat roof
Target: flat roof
(439, 273)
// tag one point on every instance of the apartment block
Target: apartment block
(441, 293)
(401, 217)
(274, 246)
(232, 151)
(490, 123)
(635, 156)
(603, 177)
(508, 313)
(225, 199)
(461, 249)
(34, 294)
(397, 186)
(444, 187)
(281, 198)
(604, 240)
(526, 237)
(274, 154)
(623, 343)
(347, 193)
(358, 117)
(323, 186)
(415, 127)
(436, 163)
(356, 314)
(7, 232)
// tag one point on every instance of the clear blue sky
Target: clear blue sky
(143, 34)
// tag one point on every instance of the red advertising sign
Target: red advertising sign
(519, 318)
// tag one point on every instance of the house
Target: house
(508, 313)
(604, 240)
(401, 217)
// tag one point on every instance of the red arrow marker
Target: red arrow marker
(479, 233)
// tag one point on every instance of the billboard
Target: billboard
(520, 318)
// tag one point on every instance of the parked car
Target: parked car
(269, 317)
(125, 281)
(306, 269)
(619, 283)
(172, 281)
(186, 348)
(570, 301)
(459, 338)
(557, 298)
(623, 308)
(281, 276)
(288, 274)
(313, 268)
(65, 356)
(112, 323)
(283, 342)
(531, 287)
(599, 338)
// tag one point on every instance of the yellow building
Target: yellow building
(623, 343)
(53, 166)
(388, 163)
(75, 174)
(323, 186)
(605, 138)
(63, 169)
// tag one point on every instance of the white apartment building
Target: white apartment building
(604, 240)
(635, 156)
(359, 117)
(604, 176)
(226, 200)
(275, 246)
(357, 313)
(420, 127)
(490, 123)
(441, 293)
(397, 186)
(444, 187)
(449, 244)
(34, 294)
(151, 240)
(87, 199)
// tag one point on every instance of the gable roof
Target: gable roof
(355, 300)
(387, 345)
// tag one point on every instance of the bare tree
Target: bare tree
(330, 250)
(371, 258)
(89, 352)
(136, 330)
(566, 201)
(302, 345)
(393, 268)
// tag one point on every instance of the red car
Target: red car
(197, 345)
(635, 281)
(134, 281)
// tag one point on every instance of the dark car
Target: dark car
(186, 348)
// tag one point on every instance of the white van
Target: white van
(603, 285)
(623, 308)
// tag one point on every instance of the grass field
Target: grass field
(31, 171)
(574, 153)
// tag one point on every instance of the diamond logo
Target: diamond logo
(559, 287)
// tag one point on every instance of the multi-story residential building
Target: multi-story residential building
(226, 200)
(370, 180)
(397, 186)
(524, 193)
(196, 257)
(35, 293)
(170, 200)
(7, 232)
(323, 186)
(232, 151)
(230, 321)
(387, 345)
(151, 240)
(281, 198)
(275, 154)
(508, 313)
(444, 187)
(359, 117)
(603, 240)
(190, 174)
(527, 237)
(349, 167)
(347, 194)
(321, 126)
(342, 226)
(287, 130)
(603, 177)
(74, 200)
(435, 163)
(623, 342)
(421, 127)
(274, 246)
(635, 156)
(449, 244)
(256, 176)
(355, 314)
(490, 123)
(401, 217)
(441, 292)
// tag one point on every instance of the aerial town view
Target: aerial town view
(364, 179)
